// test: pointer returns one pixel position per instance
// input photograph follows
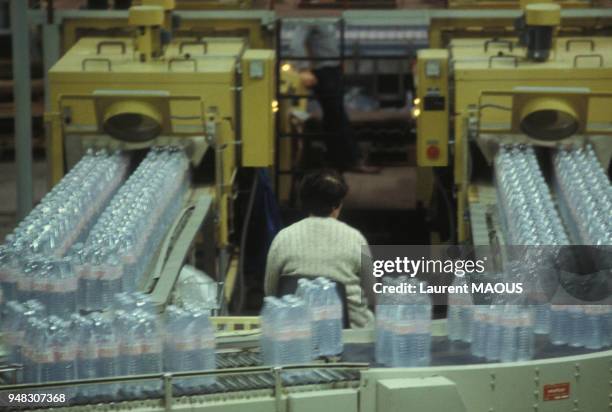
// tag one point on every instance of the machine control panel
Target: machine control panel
(433, 102)
(432, 68)
(432, 108)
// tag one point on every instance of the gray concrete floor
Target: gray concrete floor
(8, 192)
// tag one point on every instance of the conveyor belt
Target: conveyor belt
(226, 383)
(445, 353)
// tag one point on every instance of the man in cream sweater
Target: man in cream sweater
(321, 245)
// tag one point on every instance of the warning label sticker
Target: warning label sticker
(556, 391)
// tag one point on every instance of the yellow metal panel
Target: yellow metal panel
(165, 4)
(146, 16)
(431, 108)
(258, 107)
(256, 35)
(542, 14)
(83, 60)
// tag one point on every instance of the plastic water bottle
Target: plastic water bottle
(559, 325)
(180, 344)
(460, 314)
(87, 352)
(35, 350)
(107, 343)
(205, 346)
(269, 329)
(149, 334)
(404, 345)
(423, 329)
(542, 319)
(385, 312)
(331, 342)
(510, 321)
(311, 293)
(130, 348)
(64, 349)
(40, 364)
(577, 319)
(479, 331)
(493, 333)
(12, 330)
(296, 335)
(384, 327)
(525, 345)
(69, 285)
(594, 320)
(110, 279)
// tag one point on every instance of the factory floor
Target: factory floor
(8, 191)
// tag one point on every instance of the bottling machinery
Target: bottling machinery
(213, 96)
(130, 94)
(536, 89)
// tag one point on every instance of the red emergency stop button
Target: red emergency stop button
(433, 152)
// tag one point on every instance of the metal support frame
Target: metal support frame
(22, 86)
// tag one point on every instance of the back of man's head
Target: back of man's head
(322, 192)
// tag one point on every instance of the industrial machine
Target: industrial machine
(510, 4)
(214, 96)
(535, 89)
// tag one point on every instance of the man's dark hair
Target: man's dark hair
(322, 192)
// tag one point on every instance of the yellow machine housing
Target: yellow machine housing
(513, 4)
(500, 96)
(431, 109)
(209, 92)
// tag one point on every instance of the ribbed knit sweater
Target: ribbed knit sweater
(322, 246)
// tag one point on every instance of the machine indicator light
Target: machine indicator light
(433, 152)
(286, 67)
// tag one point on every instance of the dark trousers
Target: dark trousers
(342, 150)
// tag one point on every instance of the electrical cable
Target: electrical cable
(243, 239)
(450, 211)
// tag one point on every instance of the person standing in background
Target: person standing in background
(318, 41)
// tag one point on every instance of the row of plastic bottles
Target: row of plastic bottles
(325, 310)
(32, 258)
(528, 213)
(286, 335)
(585, 194)
(15, 318)
(51, 281)
(403, 328)
(588, 326)
(121, 244)
(503, 333)
(189, 345)
(129, 340)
